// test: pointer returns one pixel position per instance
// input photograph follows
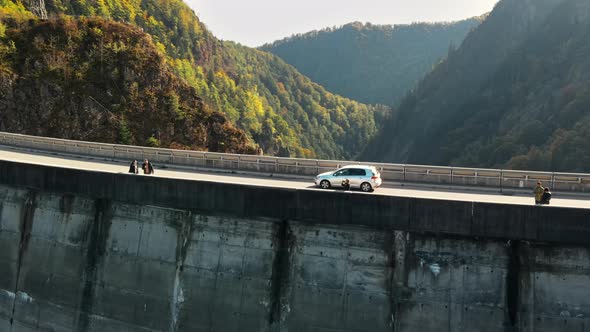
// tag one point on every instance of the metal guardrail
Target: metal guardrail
(457, 176)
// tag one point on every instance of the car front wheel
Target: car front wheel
(325, 184)
(366, 187)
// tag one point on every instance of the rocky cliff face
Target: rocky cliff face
(37, 7)
(97, 80)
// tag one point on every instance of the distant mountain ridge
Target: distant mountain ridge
(375, 64)
(516, 94)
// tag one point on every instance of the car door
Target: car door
(340, 176)
(357, 176)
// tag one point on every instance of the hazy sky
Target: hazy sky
(255, 22)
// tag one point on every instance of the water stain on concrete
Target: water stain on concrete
(97, 235)
(25, 228)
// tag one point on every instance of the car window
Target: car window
(342, 172)
(358, 172)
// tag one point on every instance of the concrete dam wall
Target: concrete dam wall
(87, 251)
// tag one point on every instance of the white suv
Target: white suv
(366, 178)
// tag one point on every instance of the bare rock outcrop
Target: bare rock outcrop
(37, 7)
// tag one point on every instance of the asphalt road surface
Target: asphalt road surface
(390, 189)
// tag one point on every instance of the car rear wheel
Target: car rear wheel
(366, 187)
(325, 184)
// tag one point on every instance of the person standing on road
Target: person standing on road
(133, 169)
(147, 167)
(546, 199)
(346, 184)
(539, 190)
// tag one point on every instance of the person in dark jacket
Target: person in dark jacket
(546, 199)
(346, 184)
(133, 169)
(147, 167)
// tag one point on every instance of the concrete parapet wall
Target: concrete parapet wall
(88, 251)
(472, 219)
(454, 176)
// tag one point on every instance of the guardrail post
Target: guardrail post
(404, 172)
(501, 180)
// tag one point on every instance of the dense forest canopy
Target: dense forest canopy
(98, 80)
(516, 94)
(281, 110)
(376, 64)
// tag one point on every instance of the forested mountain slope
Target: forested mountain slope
(516, 94)
(98, 80)
(279, 108)
(376, 64)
